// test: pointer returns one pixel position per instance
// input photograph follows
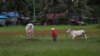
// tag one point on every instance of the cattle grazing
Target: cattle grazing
(29, 30)
(77, 33)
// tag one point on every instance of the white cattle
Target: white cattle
(77, 33)
(29, 30)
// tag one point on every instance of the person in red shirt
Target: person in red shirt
(54, 34)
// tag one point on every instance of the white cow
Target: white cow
(77, 33)
(29, 30)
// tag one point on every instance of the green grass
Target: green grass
(43, 46)
(19, 46)
(20, 28)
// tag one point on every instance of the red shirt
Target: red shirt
(54, 33)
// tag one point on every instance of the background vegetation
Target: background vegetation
(82, 8)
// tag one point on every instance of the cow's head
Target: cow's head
(68, 30)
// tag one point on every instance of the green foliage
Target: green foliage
(81, 8)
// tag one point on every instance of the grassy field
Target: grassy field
(43, 46)
(19, 28)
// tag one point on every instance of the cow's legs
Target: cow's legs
(73, 37)
(85, 36)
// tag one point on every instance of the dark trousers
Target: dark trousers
(54, 39)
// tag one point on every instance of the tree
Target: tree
(95, 5)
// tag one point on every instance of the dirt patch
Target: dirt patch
(44, 33)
